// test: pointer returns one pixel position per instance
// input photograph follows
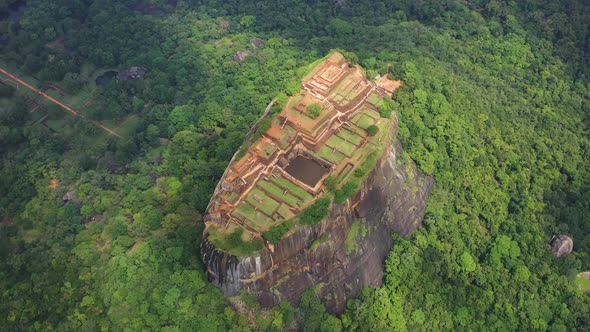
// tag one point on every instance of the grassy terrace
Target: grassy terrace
(346, 171)
(374, 99)
(293, 188)
(284, 194)
(350, 136)
(363, 120)
(261, 201)
(328, 154)
(285, 212)
(248, 214)
(341, 145)
(265, 205)
(268, 150)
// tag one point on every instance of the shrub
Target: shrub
(385, 110)
(242, 151)
(275, 233)
(264, 125)
(292, 88)
(372, 130)
(331, 182)
(314, 110)
(315, 212)
(346, 191)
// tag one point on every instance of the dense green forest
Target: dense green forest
(103, 233)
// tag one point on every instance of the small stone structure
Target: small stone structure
(561, 245)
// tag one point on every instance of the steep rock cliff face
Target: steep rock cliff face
(339, 255)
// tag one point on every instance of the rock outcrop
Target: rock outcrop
(561, 245)
(341, 254)
(132, 74)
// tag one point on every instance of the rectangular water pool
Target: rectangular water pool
(306, 170)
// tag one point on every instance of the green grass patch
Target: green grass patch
(344, 147)
(37, 115)
(55, 123)
(365, 121)
(344, 173)
(280, 193)
(288, 133)
(285, 212)
(317, 243)
(294, 101)
(327, 153)
(583, 283)
(355, 119)
(126, 128)
(352, 94)
(351, 241)
(350, 136)
(268, 150)
(54, 93)
(374, 99)
(233, 243)
(232, 197)
(155, 153)
(293, 188)
(80, 98)
(260, 200)
(247, 213)
(347, 148)
(335, 141)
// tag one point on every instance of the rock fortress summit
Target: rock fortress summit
(311, 198)
(284, 171)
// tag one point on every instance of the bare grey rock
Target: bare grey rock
(133, 73)
(70, 195)
(256, 42)
(561, 245)
(241, 56)
(97, 217)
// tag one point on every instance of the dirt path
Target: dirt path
(88, 102)
(57, 102)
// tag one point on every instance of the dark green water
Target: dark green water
(106, 78)
(306, 170)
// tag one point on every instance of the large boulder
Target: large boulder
(561, 245)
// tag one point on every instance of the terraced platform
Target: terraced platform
(284, 171)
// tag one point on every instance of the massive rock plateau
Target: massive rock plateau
(341, 254)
